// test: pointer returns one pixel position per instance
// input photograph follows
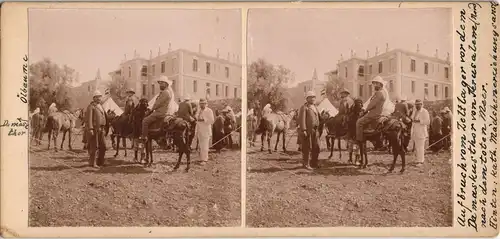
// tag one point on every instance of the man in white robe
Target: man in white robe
(204, 119)
(419, 134)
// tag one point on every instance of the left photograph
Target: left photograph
(135, 117)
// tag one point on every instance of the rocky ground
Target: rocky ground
(282, 194)
(64, 191)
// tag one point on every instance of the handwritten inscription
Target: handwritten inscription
(23, 93)
(477, 123)
(17, 127)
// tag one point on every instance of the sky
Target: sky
(91, 39)
(304, 39)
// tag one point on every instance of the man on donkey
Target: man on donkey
(374, 109)
(308, 122)
(130, 103)
(160, 107)
(96, 123)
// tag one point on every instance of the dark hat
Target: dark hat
(418, 101)
(202, 100)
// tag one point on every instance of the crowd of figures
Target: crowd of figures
(391, 129)
(171, 125)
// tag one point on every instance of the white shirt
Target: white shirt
(204, 128)
(419, 130)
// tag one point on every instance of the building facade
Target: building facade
(192, 73)
(409, 74)
(297, 94)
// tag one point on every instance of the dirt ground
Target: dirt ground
(64, 191)
(282, 194)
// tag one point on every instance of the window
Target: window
(435, 90)
(446, 92)
(89, 88)
(305, 89)
(426, 68)
(345, 71)
(413, 65)
(195, 65)
(144, 70)
(174, 65)
(208, 88)
(217, 90)
(208, 68)
(226, 91)
(446, 73)
(153, 89)
(173, 85)
(361, 90)
(370, 69)
(361, 71)
(129, 71)
(392, 63)
(227, 72)
(195, 86)
(380, 67)
(391, 86)
(162, 67)
(153, 69)
(370, 89)
(426, 90)
(235, 92)
(412, 86)
(144, 89)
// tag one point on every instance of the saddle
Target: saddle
(382, 124)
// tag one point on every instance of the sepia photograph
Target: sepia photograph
(349, 121)
(135, 117)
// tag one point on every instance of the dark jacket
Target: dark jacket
(376, 104)
(185, 111)
(96, 116)
(308, 118)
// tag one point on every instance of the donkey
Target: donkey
(275, 122)
(60, 122)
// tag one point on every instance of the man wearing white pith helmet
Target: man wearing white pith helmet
(160, 107)
(308, 122)
(96, 123)
(374, 109)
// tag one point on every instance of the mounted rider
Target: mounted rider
(374, 109)
(160, 107)
(130, 103)
(265, 112)
(346, 102)
(186, 111)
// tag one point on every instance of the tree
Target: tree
(333, 87)
(118, 89)
(267, 84)
(50, 83)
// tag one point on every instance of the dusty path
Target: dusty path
(65, 192)
(281, 194)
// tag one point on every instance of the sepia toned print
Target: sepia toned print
(350, 121)
(135, 117)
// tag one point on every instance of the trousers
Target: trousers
(310, 145)
(149, 120)
(96, 141)
(204, 141)
(419, 150)
(360, 124)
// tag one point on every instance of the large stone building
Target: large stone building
(193, 73)
(409, 74)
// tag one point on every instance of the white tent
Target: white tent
(109, 104)
(328, 106)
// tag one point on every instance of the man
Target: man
(186, 110)
(228, 127)
(205, 119)
(160, 107)
(436, 132)
(130, 103)
(446, 127)
(401, 110)
(346, 102)
(218, 131)
(96, 126)
(308, 125)
(419, 134)
(374, 108)
(230, 112)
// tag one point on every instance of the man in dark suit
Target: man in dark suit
(308, 126)
(96, 123)
(160, 107)
(130, 103)
(374, 108)
(185, 110)
(345, 102)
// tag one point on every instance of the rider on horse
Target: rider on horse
(160, 107)
(130, 103)
(186, 111)
(374, 109)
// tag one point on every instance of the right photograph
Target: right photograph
(349, 121)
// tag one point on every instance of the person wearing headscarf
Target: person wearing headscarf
(420, 121)
(218, 131)
(446, 127)
(52, 108)
(205, 119)
(374, 108)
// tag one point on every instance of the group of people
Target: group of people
(202, 118)
(411, 113)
